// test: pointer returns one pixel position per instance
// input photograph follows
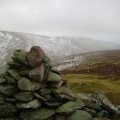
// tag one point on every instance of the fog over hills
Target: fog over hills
(55, 47)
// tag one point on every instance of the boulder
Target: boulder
(80, 115)
(43, 114)
(67, 108)
(14, 73)
(35, 56)
(25, 85)
(7, 90)
(19, 56)
(105, 102)
(37, 73)
(2, 80)
(53, 77)
(24, 96)
(32, 104)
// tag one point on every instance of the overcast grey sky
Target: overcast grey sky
(92, 18)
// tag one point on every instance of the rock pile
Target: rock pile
(31, 89)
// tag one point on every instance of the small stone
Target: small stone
(43, 114)
(37, 85)
(88, 101)
(103, 113)
(55, 85)
(24, 96)
(14, 73)
(80, 115)
(35, 56)
(50, 118)
(47, 61)
(39, 97)
(45, 91)
(67, 108)
(60, 117)
(53, 77)
(53, 104)
(96, 118)
(32, 104)
(105, 102)
(25, 85)
(55, 71)
(80, 103)
(64, 94)
(7, 109)
(10, 100)
(14, 65)
(7, 90)
(24, 72)
(26, 114)
(91, 111)
(2, 80)
(10, 79)
(20, 56)
(37, 73)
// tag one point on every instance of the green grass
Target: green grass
(95, 83)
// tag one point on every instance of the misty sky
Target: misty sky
(91, 18)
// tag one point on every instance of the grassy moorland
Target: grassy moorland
(100, 72)
(95, 83)
(105, 63)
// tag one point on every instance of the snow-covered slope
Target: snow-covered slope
(55, 47)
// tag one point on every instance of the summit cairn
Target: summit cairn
(31, 89)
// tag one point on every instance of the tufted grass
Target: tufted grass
(95, 83)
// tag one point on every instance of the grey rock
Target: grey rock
(45, 91)
(53, 103)
(14, 73)
(60, 117)
(89, 101)
(64, 93)
(14, 65)
(2, 80)
(67, 108)
(35, 56)
(103, 113)
(10, 79)
(39, 97)
(43, 113)
(32, 104)
(24, 71)
(100, 118)
(26, 115)
(7, 89)
(91, 111)
(105, 102)
(47, 61)
(37, 85)
(10, 100)
(20, 56)
(53, 77)
(24, 96)
(80, 103)
(37, 73)
(25, 85)
(80, 115)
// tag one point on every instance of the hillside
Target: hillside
(103, 62)
(55, 47)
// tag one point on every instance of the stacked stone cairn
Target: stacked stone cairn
(31, 89)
